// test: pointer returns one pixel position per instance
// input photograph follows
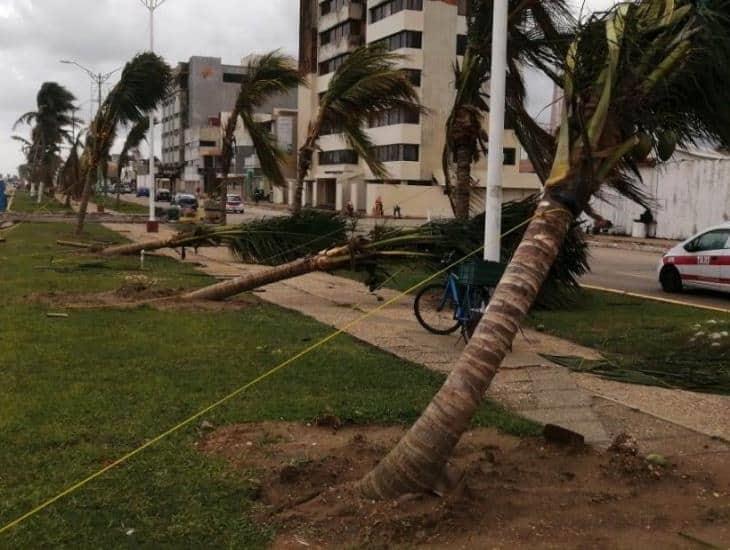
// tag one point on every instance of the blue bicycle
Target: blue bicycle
(459, 302)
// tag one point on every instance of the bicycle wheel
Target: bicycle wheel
(434, 309)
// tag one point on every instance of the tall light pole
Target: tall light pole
(99, 79)
(152, 226)
(495, 157)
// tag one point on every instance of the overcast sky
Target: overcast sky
(104, 34)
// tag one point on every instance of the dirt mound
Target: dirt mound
(137, 295)
(515, 493)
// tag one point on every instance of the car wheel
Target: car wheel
(670, 279)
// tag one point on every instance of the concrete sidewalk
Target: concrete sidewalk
(669, 423)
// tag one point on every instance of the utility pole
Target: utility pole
(495, 157)
(152, 225)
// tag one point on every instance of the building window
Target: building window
(232, 78)
(400, 115)
(329, 128)
(331, 65)
(342, 156)
(204, 143)
(403, 39)
(414, 75)
(335, 5)
(461, 43)
(510, 156)
(338, 32)
(394, 6)
(396, 152)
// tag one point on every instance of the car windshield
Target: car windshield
(234, 198)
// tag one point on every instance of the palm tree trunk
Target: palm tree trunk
(417, 463)
(136, 248)
(462, 192)
(250, 281)
(304, 163)
(85, 195)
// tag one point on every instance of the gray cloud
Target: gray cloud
(103, 34)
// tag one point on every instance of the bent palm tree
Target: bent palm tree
(641, 70)
(367, 83)
(142, 86)
(426, 244)
(135, 137)
(281, 238)
(266, 76)
(70, 176)
(54, 113)
(538, 37)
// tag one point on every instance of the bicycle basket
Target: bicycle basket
(479, 273)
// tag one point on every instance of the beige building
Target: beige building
(431, 35)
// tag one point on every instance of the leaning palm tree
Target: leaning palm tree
(644, 72)
(49, 121)
(71, 172)
(142, 86)
(265, 76)
(384, 247)
(135, 137)
(538, 36)
(367, 83)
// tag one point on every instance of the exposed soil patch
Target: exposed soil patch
(516, 493)
(137, 295)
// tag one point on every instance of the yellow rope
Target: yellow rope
(245, 387)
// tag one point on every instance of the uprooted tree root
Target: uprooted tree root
(136, 295)
(515, 493)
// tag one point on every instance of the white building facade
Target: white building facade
(431, 35)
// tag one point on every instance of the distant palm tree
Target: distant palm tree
(367, 83)
(70, 176)
(49, 121)
(265, 76)
(538, 37)
(134, 139)
(142, 86)
(649, 72)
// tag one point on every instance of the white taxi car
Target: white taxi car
(702, 261)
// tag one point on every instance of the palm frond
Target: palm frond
(135, 137)
(270, 155)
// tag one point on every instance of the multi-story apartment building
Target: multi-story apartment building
(431, 35)
(193, 119)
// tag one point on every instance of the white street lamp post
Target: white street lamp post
(152, 226)
(495, 158)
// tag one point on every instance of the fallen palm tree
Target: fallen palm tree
(426, 244)
(286, 237)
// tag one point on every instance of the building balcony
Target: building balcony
(333, 49)
(348, 11)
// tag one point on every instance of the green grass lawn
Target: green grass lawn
(123, 207)
(79, 392)
(646, 341)
(24, 203)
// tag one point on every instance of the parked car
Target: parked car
(234, 204)
(702, 261)
(143, 192)
(163, 195)
(185, 201)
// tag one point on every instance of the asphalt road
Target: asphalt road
(636, 271)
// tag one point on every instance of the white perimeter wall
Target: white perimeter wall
(691, 192)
